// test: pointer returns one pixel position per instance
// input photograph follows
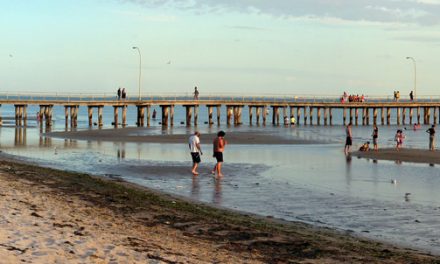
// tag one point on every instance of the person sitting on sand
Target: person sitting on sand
(196, 151)
(365, 146)
(219, 146)
(292, 120)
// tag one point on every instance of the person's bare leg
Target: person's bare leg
(214, 170)
(219, 169)
(194, 169)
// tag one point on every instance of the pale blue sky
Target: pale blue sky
(232, 46)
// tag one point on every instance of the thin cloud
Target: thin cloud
(422, 12)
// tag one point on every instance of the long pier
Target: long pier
(307, 111)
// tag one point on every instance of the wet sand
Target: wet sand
(139, 135)
(52, 216)
(403, 155)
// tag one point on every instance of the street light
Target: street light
(415, 75)
(140, 70)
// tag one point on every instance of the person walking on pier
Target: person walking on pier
(124, 94)
(375, 136)
(431, 132)
(348, 139)
(219, 146)
(196, 151)
(196, 93)
(411, 96)
(119, 93)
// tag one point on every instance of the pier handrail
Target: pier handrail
(173, 97)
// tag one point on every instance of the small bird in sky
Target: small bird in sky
(169, 62)
(10, 56)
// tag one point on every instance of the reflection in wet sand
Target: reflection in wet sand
(217, 194)
(20, 136)
(195, 188)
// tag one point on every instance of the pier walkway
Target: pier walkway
(307, 110)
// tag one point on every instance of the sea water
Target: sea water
(313, 183)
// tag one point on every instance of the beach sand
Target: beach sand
(51, 216)
(138, 135)
(403, 155)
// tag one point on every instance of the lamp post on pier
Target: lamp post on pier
(140, 69)
(415, 75)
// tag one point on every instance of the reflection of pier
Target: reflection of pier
(306, 111)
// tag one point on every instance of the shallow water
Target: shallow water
(311, 183)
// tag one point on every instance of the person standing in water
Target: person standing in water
(196, 151)
(375, 136)
(219, 146)
(431, 132)
(348, 139)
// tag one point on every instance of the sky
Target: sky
(231, 47)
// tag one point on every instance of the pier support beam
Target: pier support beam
(388, 115)
(364, 116)
(20, 114)
(298, 115)
(218, 114)
(403, 116)
(305, 115)
(375, 116)
(330, 115)
(188, 111)
(411, 110)
(275, 115)
(46, 114)
(90, 115)
(382, 118)
(351, 114)
(435, 115)
(325, 116)
(311, 114)
(344, 116)
(229, 113)
(100, 118)
(398, 115)
(265, 110)
(166, 111)
(418, 115)
(368, 116)
(141, 114)
(356, 116)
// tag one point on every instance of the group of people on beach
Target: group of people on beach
(121, 93)
(398, 138)
(219, 144)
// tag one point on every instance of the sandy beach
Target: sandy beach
(51, 216)
(134, 134)
(403, 155)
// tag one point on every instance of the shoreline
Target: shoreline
(150, 224)
(404, 155)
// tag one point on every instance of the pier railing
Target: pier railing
(269, 98)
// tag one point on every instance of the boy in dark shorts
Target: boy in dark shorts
(196, 151)
(219, 146)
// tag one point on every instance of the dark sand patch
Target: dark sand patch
(404, 155)
(143, 135)
(175, 230)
